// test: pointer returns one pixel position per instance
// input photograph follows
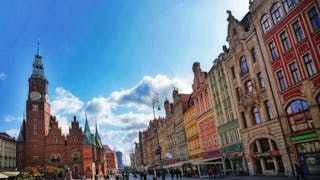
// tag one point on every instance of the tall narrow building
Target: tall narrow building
(38, 115)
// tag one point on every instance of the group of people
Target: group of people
(213, 172)
(175, 173)
(301, 170)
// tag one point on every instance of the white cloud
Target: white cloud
(63, 124)
(13, 132)
(141, 95)
(64, 102)
(122, 114)
(3, 76)
(13, 118)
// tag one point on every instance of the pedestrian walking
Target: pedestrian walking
(210, 173)
(171, 173)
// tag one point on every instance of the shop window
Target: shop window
(276, 13)
(299, 116)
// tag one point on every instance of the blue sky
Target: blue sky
(107, 58)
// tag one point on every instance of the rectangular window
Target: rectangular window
(260, 79)
(35, 129)
(233, 73)
(273, 51)
(254, 55)
(239, 93)
(249, 86)
(282, 80)
(309, 65)
(314, 18)
(298, 32)
(295, 72)
(285, 41)
(268, 109)
(243, 116)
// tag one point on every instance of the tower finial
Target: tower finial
(38, 50)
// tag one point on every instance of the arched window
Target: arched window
(256, 115)
(289, 4)
(299, 116)
(265, 23)
(276, 13)
(244, 65)
(249, 86)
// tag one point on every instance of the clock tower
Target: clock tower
(38, 115)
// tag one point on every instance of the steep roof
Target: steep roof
(97, 137)
(21, 136)
(107, 148)
(6, 137)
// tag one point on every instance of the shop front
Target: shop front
(234, 162)
(308, 152)
(266, 158)
(211, 159)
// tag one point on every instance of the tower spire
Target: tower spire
(38, 52)
(38, 68)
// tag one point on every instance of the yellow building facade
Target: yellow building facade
(192, 132)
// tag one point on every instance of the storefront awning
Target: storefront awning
(2, 176)
(11, 174)
(195, 161)
(178, 164)
(211, 159)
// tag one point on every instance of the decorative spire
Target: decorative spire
(38, 68)
(21, 136)
(86, 127)
(230, 16)
(97, 136)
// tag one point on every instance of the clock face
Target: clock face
(46, 98)
(35, 95)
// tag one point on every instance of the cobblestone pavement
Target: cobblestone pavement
(150, 177)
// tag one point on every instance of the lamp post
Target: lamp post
(155, 101)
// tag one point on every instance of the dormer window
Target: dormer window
(276, 13)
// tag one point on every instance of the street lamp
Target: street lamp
(155, 101)
(159, 152)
